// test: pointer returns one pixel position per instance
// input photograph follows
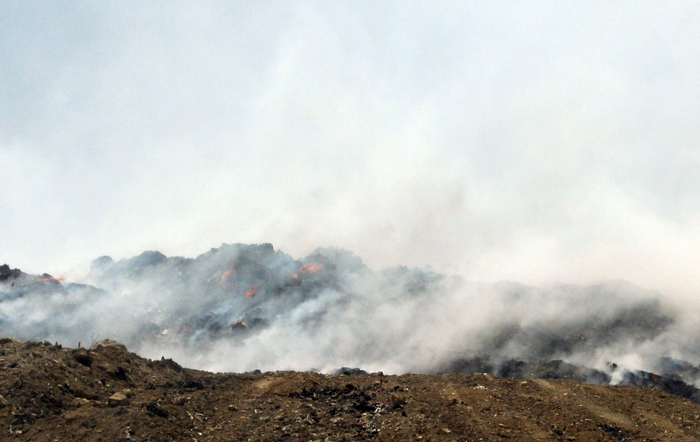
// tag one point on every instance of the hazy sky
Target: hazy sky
(532, 141)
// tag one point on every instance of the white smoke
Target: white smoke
(533, 142)
(240, 308)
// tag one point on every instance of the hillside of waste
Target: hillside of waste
(239, 308)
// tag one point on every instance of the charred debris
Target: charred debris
(235, 292)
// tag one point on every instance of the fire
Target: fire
(310, 268)
(305, 269)
(251, 291)
(223, 278)
(226, 274)
(49, 279)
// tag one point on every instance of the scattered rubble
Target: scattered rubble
(48, 395)
(101, 391)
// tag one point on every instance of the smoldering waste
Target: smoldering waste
(244, 307)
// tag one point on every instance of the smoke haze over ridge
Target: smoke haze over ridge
(244, 307)
(536, 143)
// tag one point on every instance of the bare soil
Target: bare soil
(50, 393)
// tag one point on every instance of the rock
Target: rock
(79, 402)
(180, 400)
(83, 357)
(82, 392)
(397, 401)
(155, 408)
(118, 399)
(108, 343)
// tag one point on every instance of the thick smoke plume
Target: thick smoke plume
(244, 307)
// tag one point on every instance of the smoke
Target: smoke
(534, 142)
(550, 144)
(245, 307)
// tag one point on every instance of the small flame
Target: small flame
(49, 279)
(251, 291)
(305, 269)
(310, 268)
(223, 278)
(226, 274)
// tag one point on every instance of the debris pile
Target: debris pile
(106, 393)
(245, 307)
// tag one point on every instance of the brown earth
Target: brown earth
(51, 393)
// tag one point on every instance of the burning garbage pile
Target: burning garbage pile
(245, 307)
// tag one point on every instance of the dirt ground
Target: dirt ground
(51, 393)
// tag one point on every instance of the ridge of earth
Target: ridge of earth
(106, 393)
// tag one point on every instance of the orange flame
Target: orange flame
(49, 279)
(251, 291)
(226, 274)
(305, 269)
(310, 268)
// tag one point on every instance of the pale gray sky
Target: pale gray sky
(533, 141)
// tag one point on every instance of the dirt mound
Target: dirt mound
(107, 393)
